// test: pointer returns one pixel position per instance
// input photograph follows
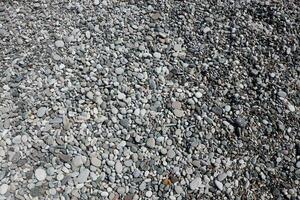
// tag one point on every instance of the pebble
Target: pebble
(119, 70)
(96, 162)
(83, 175)
(104, 194)
(298, 164)
(222, 176)
(118, 167)
(196, 183)
(198, 95)
(157, 55)
(40, 174)
(151, 143)
(77, 161)
(41, 111)
(291, 107)
(219, 185)
(96, 2)
(59, 43)
(178, 113)
(148, 194)
(171, 154)
(3, 189)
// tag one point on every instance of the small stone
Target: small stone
(206, 30)
(121, 96)
(59, 43)
(219, 185)
(282, 94)
(291, 107)
(104, 194)
(298, 164)
(17, 139)
(66, 123)
(90, 95)
(195, 184)
(3, 189)
(41, 111)
(171, 154)
(151, 143)
(241, 122)
(124, 123)
(119, 70)
(148, 194)
(121, 190)
(178, 189)
(157, 55)
(118, 167)
(77, 161)
(222, 176)
(96, 2)
(176, 105)
(198, 95)
(40, 174)
(83, 175)
(178, 113)
(96, 162)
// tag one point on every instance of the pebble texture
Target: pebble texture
(173, 99)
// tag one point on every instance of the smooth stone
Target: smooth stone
(298, 164)
(41, 111)
(124, 123)
(121, 96)
(83, 175)
(17, 139)
(40, 174)
(118, 167)
(59, 43)
(90, 95)
(178, 189)
(196, 183)
(171, 153)
(178, 113)
(3, 189)
(157, 55)
(96, 162)
(241, 122)
(219, 185)
(104, 194)
(222, 176)
(119, 70)
(291, 107)
(198, 95)
(151, 143)
(96, 2)
(77, 161)
(148, 194)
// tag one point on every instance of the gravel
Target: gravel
(149, 99)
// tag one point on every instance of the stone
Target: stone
(178, 113)
(222, 176)
(179, 189)
(298, 164)
(119, 71)
(219, 185)
(148, 194)
(196, 183)
(121, 96)
(3, 189)
(241, 122)
(150, 143)
(124, 123)
(90, 95)
(83, 175)
(40, 174)
(41, 111)
(59, 43)
(291, 107)
(96, 2)
(198, 95)
(17, 139)
(104, 194)
(96, 162)
(77, 161)
(157, 55)
(118, 167)
(171, 154)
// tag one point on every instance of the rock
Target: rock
(124, 123)
(83, 175)
(157, 55)
(40, 174)
(178, 113)
(198, 95)
(77, 161)
(298, 164)
(148, 194)
(222, 176)
(17, 139)
(59, 43)
(291, 107)
(219, 185)
(241, 122)
(41, 111)
(3, 189)
(150, 143)
(96, 2)
(90, 95)
(118, 167)
(196, 183)
(66, 123)
(171, 154)
(119, 71)
(104, 194)
(121, 96)
(178, 189)
(96, 162)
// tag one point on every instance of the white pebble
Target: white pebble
(40, 174)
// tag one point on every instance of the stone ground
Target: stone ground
(128, 99)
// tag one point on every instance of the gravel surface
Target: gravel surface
(131, 99)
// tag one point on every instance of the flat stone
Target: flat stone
(219, 185)
(118, 167)
(198, 95)
(176, 105)
(150, 143)
(124, 123)
(40, 174)
(178, 189)
(83, 175)
(59, 43)
(148, 194)
(121, 96)
(17, 139)
(196, 183)
(77, 161)
(96, 162)
(298, 164)
(96, 2)
(90, 95)
(171, 154)
(241, 122)
(157, 55)
(41, 111)
(178, 113)
(3, 189)
(222, 176)
(119, 70)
